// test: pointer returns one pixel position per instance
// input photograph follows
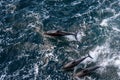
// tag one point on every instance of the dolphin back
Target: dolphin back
(92, 68)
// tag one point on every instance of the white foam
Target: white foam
(75, 3)
(33, 14)
(71, 37)
(46, 16)
(104, 22)
(31, 25)
(2, 77)
(22, 55)
(116, 29)
(36, 70)
(99, 50)
(1, 49)
(115, 16)
(116, 61)
(48, 78)
(79, 36)
(104, 63)
(99, 54)
(111, 10)
(77, 15)
(25, 76)
(118, 73)
(48, 55)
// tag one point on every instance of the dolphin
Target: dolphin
(59, 33)
(74, 63)
(86, 71)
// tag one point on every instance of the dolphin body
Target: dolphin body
(59, 33)
(86, 71)
(74, 63)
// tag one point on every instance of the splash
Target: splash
(104, 22)
(79, 36)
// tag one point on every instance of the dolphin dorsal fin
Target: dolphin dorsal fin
(58, 31)
(85, 70)
(74, 62)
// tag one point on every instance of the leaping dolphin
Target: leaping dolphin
(74, 63)
(86, 71)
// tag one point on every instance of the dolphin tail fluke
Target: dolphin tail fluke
(89, 56)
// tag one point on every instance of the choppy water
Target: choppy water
(26, 54)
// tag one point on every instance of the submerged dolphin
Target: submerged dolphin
(86, 71)
(74, 63)
(59, 33)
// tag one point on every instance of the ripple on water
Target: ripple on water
(25, 53)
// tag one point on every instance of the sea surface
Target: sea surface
(27, 54)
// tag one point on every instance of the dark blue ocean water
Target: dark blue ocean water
(27, 54)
